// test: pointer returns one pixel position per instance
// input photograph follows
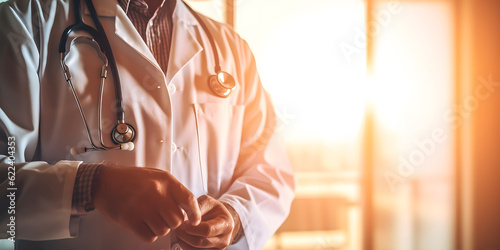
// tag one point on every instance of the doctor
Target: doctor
(201, 170)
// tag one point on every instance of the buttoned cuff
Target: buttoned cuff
(84, 188)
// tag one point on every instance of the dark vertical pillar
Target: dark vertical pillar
(368, 142)
(486, 124)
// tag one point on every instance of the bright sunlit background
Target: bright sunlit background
(312, 58)
(320, 94)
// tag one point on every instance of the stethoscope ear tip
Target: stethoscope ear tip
(77, 150)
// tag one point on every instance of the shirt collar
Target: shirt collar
(124, 4)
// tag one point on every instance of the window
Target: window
(331, 95)
(312, 57)
(413, 148)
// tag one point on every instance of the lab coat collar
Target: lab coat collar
(123, 27)
(108, 8)
(182, 13)
(184, 44)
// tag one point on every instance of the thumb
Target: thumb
(187, 202)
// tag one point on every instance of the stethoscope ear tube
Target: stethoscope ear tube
(222, 83)
(120, 113)
(123, 134)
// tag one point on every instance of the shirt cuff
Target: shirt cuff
(84, 188)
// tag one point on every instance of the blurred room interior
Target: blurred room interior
(388, 110)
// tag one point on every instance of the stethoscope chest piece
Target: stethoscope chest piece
(123, 133)
(222, 84)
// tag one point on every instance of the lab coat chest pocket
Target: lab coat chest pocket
(219, 128)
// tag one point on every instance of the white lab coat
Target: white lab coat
(223, 147)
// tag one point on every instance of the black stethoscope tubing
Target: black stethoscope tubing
(222, 83)
(217, 68)
(100, 36)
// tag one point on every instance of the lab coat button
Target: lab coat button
(173, 147)
(176, 246)
(171, 88)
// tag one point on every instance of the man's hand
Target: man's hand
(148, 202)
(216, 230)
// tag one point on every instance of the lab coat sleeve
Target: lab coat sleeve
(42, 205)
(263, 184)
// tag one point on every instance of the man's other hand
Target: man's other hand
(216, 230)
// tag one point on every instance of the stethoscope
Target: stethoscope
(123, 134)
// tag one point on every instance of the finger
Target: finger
(142, 231)
(172, 215)
(206, 203)
(187, 201)
(203, 242)
(186, 246)
(214, 227)
(183, 244)
(157, 225)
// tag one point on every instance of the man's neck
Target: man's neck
(153, 5)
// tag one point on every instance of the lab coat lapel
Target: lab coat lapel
(124, 29)
(127, 32)
(184, 43)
